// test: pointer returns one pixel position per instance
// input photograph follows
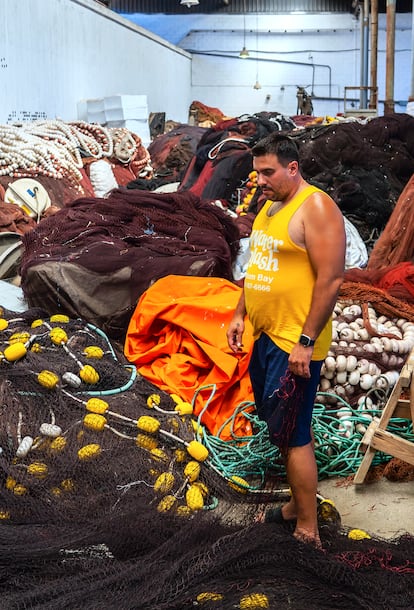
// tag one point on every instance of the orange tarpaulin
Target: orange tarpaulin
(177, 340)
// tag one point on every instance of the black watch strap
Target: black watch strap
(306, 341)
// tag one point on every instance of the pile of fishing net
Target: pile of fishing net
(95, 257)
(363, 166)
(109, 497)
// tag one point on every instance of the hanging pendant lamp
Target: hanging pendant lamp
(244, 53)
(189, 3)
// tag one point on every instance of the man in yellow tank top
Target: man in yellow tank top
(295, 271)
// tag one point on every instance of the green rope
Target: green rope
(253, 457)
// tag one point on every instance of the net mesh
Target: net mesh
(108, 500)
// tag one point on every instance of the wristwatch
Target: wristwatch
(306, 341)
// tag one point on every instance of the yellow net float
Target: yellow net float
(356, 534)
(97, 405)
(59, 318)
(19, 338)
(239, 484)
(254, 601)
(149, 424)
(146, 442)
(68, 484)
(181, 407)
(19, 490)
(197, 428)
(38, 470)
(166, 504)
(202, 487)
(10, 483)
(93, 351)
(183, 511)
(89, 375)
(58, 444)
(153, 401)
(15, 352)
(184, 408)
(3, 324)
(197, 451)
(95, 422)
(180, 455)
(58, 336)
(88, 452)
(159, 455)
(37, 323)
(194, 498)
(48, 379)
(192, 471)
(203, 598)
(164, 483)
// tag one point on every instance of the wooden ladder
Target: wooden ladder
(376, 438)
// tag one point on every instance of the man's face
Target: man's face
(275, 180)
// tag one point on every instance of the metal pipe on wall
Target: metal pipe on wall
(411, 96)
(361, 57)
(390, 58)
(364, 53)
(373, 100)
(277, 61)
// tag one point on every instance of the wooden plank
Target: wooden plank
(370, 431)
(364, 466)
(376, 437)
(393, 445)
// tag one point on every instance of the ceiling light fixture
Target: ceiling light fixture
(244, 52)
(189, 3)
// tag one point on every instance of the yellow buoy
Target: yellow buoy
(14, 352)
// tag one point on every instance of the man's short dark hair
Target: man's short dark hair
(282, 146)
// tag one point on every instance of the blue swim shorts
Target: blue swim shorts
(268, 366)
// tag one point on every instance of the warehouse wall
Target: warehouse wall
(54, 53)
(321, 52)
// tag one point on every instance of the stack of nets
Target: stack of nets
(108, 498)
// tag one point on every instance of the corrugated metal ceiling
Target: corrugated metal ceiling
(225, 7)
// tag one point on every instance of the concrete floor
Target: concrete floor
(382, 508)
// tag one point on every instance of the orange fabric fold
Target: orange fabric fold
(177, 340)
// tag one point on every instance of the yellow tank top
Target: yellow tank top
(279, 280)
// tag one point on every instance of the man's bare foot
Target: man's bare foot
(308, 538)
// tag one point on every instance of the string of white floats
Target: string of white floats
(361, 366)
(53, 148)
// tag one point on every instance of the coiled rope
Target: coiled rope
(253, 457)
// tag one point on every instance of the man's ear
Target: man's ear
(293, 168)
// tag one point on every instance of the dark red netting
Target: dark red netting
(96, 257)
(280, 410)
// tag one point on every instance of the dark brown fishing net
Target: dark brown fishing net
(96, 257)
(107, 499)
(364, 167)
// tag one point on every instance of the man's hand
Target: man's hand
(299, 360)
(235, 333)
